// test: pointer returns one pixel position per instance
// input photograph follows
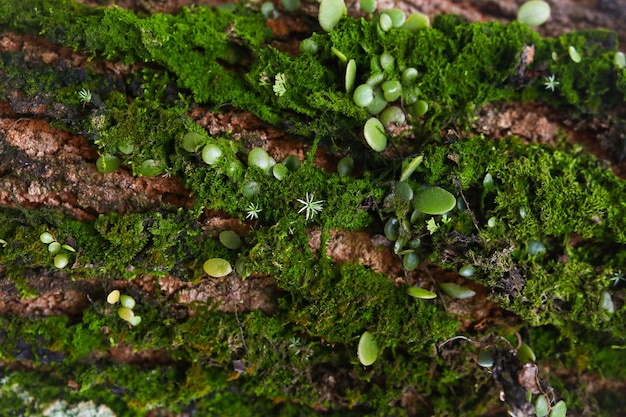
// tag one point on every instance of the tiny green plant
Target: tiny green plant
(456, 290)
(419, 292)
(252, 211)
(367, 349)
(280, 84)
(550, 82)
(310, 206)
(217, 267)
(330, 13)
(434, 200)
(84, 95)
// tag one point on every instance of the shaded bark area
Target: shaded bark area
(44, 166)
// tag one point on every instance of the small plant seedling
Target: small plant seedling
(367, 349)
(542, 407)
(363, 95)
(127, 301)
(151, 168)
(367, 6)
(456, 290)
(345, 166)
(551, 83)
(252, 211)
(534, 13)
(410, 261)
(418, 292)
(61, 260)
(466, 271)
(310, 206)
(434, 200)
(217, 267)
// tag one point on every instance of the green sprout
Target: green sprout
(253, 211)
(279, 84)
(550, 82)
(310, 207)
(84, 95)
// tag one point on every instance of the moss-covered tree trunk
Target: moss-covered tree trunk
(246, 282)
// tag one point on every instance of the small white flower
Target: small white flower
(550, 82)
(310, 206)
(253, 211)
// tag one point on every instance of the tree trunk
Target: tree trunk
(152, 263)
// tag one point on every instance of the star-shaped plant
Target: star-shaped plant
(253, 211)
(550, 82)
(310, 207)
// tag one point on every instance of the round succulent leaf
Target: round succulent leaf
(135, 320)
(54, 248)
(392, 114)
(409, 75)
(363, 95)
(192, 141)
(150, 168)
(374, 133)
(534, 13)
(367, 6)
(484, 358)
(559, 409)
(410, 261)
(541, 406)
(525, 354)
(456, 290)
(230, 239)
(403, 191)
(127, 301)
(259, 158)
(46, 238)
(107, 163)
(573, 54)
(113, 297)
(392, 229)
(384, 22)
(211, 153)
(419, 292)
(415, 22)
(217, 267)
(367, 349)
(330, 13)
(434, 200)
(125, 313)
(345, 166)
(61, 260)
(378, 104)
(466, 271)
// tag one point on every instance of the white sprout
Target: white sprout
(310, 207)
(253, 211)
(550, 82)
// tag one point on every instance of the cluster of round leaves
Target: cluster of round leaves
(60, 252)
(219, 267)
(125, 311)
(108, 163)
(429, 201)
(385, 99)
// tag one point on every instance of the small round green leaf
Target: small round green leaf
(466, 271)
(46, 238)
(534, 13)
(363, 95)
(398, 17)
(125, 313)
(113, 297)
(367, 6)
(374, 133)
(217, 267)
(392, 229)
(345, 166)
(484, 358)
(392, 114)
(211, 153)
(127, 301)
(135, 320)
(410, 261)
(259, 158)
(54, 248)
(291, 5)
(384, 22)
(192, 141)
(368, 349)
(330, 13)
(230, 239)
(61, 260)
(419, 108)
(456, 291)
(392, 90)
(150, 168)
(409, 76)
(107, 163)
(434, 200)
(620, 59)
(541, 406)
(418, 292)
(415, 22)
(525, 354)
(559, 409)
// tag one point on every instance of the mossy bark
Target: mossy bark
(544, 237)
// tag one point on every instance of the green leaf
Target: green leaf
(368, 349)
(456, 291)
(434, 200)
(418, 292)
